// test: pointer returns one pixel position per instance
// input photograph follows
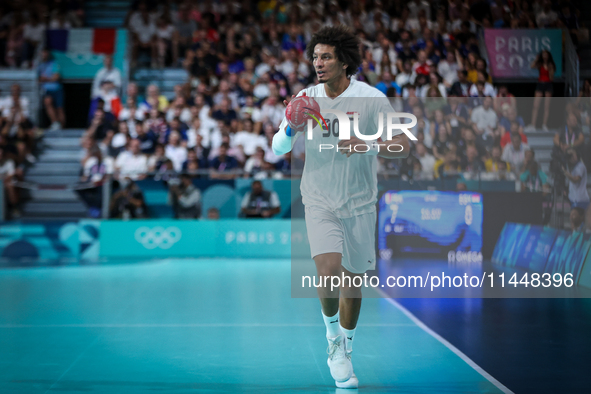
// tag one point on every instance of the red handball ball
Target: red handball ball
(298, 112)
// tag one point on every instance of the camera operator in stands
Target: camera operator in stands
(128, 203)
(570, 137)
(260, 203)
(185, 199)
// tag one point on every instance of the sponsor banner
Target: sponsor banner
(538, 249)
(180, 238)
(49, 243)
(511, 51)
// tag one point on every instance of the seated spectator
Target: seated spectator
(260, 203)
(461, 88)
(7, 173)
(143, 32)
(448, 166)
(176, 126)
(514, 128)
(197, 130)
(175, 151)
(166, 41)
(179, 109)
(439, 125)
(154, 100)
(577, 220)
(441, 145)
(185, 26)
(448, 69)
(53, 96)
(256, 166)
(457, 115)
(472, 164)
(15, 104)
(504, 98)
(33, 36)
(131, 163)
(128, 203)
(482, 88)
(223, 165)
(157, 159)
(493, 163)
(106, 73)
(404, 77)
(95, 170)
(509, 115)
(224, 113)
(514, 153)
(426, 161)
(147, 138)
(387, 82)
(115, 143)
(132, 91)
(109, 97)
(533, 179)
(130, 114)
(570, 137)
(99, 126)
(272, 111)
(576, 175)
(156, 122)
(484, 122)
(185, 199)
(191, 165)
(213, 213)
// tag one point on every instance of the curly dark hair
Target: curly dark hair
(346, 46)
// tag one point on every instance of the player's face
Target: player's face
(326, 64)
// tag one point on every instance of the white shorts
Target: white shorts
(354, 238)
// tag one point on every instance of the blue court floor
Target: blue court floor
(204, 326)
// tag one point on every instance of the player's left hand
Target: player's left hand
(352, 142)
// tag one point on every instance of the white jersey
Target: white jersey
(344, 185)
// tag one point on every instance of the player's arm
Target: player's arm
(284, 139)
(396, 148)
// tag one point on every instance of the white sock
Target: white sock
(332, 325)
(349, 335)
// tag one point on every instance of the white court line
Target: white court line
(448, 345)
(196, 325)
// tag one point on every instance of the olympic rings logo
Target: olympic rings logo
(81, 59)
(158, 237)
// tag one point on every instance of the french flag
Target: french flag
(96, 41)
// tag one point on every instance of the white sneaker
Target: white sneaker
(544, 127)
(352, 383)
(55, 126)
(530, 128)
(338, 362)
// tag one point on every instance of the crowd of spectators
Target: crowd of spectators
(245, 58)
(23, 25)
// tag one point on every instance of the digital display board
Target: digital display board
(431, 224)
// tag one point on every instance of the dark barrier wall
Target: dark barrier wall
(502, 207)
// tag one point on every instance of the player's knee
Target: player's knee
(351, 288)
(328, 264)
(47, 101)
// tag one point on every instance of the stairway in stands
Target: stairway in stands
(56, 169)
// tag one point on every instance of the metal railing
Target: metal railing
(571, 67)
